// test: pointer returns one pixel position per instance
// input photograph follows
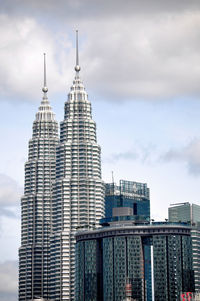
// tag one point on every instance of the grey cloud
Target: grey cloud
(9, 280)
(91, 9)
(149, 59)
(124, 156)
(144, 49)
(140, 152)
(190, 155)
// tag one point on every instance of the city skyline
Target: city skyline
(144, 97)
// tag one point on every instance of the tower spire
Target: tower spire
(45, 89)
(45, 112)
(77, 67)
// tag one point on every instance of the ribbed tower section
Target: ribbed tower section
(79, 190)
(36, 205)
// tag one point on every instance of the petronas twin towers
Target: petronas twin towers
(63, 192)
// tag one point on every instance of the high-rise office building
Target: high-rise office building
(189, 213)
(131, 201)
(78, 191)
(128, 194)
(36, 204)
(108, 256)
(184, 212)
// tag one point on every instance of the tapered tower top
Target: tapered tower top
(77, 67)
(45, 112)
(77, 91)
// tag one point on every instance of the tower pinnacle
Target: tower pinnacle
(45, 112)
(77, 67)
(45, 89)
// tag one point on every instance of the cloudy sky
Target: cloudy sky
(140, 63)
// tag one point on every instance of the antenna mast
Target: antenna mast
(45, 89)
(77, 67)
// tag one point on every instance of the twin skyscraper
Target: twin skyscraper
(65, 255)
(63, 192)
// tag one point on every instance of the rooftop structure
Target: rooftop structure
(128, 195)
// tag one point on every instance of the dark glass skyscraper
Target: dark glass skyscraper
(131, 201)
(128, 194)
(107, 257)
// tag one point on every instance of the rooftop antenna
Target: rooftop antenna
(45, 89)
(113, 184)
(112, 177)
(77, 67)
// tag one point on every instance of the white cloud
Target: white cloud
(23, 42)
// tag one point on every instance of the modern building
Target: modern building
(108, 256)
(190, 213)
(79, 189)
(128, 194)
(36, 204)
(184, 212)
(130, 201)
